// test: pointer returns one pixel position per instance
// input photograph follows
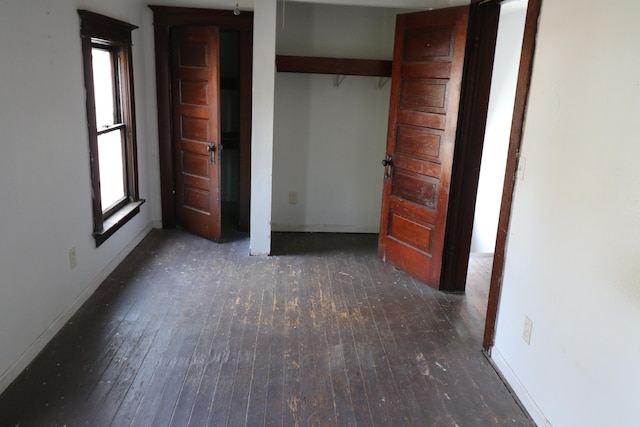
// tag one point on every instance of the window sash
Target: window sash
(113, 172)
(106, 87)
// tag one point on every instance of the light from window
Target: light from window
(104, 87)
(111, 159)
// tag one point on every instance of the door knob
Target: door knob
(211, 148)
(387, 163)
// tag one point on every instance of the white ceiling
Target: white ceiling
(410, 4)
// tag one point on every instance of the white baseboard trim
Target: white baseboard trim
(323, 228)
(36, 347)
(519, 389)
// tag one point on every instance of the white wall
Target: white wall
(573, 258)
(44, 170)
(496, 142)
(329, 140)
(264, 50)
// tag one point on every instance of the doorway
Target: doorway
(467, 154)
(515, 138)
(230, 128)
(496, 140)
(287, 197)
(495, 150)
(234, 96)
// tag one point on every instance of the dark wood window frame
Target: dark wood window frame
(99, 31)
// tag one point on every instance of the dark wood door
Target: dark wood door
(196, 130)
(427, 73)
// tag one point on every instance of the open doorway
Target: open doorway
(290, 213)
(230, 127)
(234, 128)
(512, 165)
(495, 150)
(498, 127)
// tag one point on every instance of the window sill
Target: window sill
(117, 220)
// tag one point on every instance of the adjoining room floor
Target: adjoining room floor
(322, 333)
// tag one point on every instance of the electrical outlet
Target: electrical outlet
(73, 261)
(526, 330)
(293, 198)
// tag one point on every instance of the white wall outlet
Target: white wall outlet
(526, 330)
(73, 261)
(293, 198)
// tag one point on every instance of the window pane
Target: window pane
(103, 85)
(110, 155)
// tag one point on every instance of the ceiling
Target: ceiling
(410, 4)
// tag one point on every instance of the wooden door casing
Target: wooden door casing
(472, 120)
(515, 139)
(196, 129)
(428, 67)
(165, 20)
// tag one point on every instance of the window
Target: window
(106, 52)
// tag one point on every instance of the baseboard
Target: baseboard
(504, 369)
(323, 228)
(36, 347)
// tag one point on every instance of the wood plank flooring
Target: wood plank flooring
(187, 332)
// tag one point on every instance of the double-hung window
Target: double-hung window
(108, 75)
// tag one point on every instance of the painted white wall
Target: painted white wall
(496, 141)
(329, 140)
(573, 258)
(44, 170)
(264, 51)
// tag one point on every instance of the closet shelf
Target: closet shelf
(337, 66)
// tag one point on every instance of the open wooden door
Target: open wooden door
(196, 130)
(426, 87)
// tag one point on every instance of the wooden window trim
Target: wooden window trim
(99, 30)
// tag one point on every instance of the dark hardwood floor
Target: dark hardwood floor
(322, 333)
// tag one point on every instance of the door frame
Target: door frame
(164, 18)
(515, 141)
(472, 118)
(474, 101)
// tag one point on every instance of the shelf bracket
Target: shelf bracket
(338, 79)
(382, 81)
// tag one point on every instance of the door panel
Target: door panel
(196, 130)
(425, 97)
